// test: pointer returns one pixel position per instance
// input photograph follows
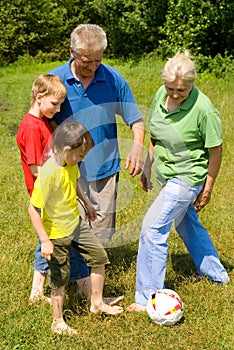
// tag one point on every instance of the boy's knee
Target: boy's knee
(99, 259)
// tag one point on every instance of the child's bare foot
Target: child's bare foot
(39, 297)
(136, 307)
(106, 309)
(63, 328)
(113, 301)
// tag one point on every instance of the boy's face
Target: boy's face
(49, 105)
(74, 155)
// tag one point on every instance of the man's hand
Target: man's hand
(135, 160)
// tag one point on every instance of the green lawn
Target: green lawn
(209, 318)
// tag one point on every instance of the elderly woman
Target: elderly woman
(186, 147)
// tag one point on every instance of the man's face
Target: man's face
(87, 62)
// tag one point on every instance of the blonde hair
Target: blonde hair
(48, 84)
(181, 66)
(88, 36)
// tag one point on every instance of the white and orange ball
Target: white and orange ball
(165, 307)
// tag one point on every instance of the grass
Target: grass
(208, 321)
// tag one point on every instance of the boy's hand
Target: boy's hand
(91, 212)
(47, 249)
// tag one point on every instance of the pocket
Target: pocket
(61, 260)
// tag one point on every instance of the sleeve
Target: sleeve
(211, 129)
(126, 107)
(42, 189)
(33, 146)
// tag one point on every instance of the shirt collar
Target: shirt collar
(186, 105)
(99, 74)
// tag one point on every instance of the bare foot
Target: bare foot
(39, 297)
(63, 328)
(136, 307)
(113, 301)
(106, 309)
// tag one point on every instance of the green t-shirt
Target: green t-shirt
(55, 193)
(182, 138)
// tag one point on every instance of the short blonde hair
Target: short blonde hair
(48, 84)
(181, 66)
(88, 36)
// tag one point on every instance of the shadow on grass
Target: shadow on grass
(184, 267)
(123, 256)
(183, 264)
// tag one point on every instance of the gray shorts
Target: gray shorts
(103, 195)
(88, 245)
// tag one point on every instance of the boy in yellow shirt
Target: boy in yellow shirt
(60, 227)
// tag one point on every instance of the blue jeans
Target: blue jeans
(79, 269)
(173, 204)
(40, 263)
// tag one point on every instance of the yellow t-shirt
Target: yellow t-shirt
(55, 193)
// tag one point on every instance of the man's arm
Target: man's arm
(90, 210)
(135, 157)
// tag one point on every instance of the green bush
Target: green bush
(30, 26)
(134, 27)
(218, 66)
(204, 27)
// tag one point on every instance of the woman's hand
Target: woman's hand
(145, 182)
(202, 200)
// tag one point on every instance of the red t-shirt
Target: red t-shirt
(34, 141)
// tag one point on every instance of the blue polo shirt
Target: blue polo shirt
(96, 108)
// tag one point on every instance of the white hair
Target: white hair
(88, 36)
(181, 66)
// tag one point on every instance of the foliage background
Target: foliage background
(134, 27)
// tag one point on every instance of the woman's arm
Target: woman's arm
(146, 184)
(213, 169)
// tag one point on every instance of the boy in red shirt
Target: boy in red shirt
(34, 141)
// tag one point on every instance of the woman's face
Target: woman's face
(178, 90)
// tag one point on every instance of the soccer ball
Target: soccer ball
(165, 307)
